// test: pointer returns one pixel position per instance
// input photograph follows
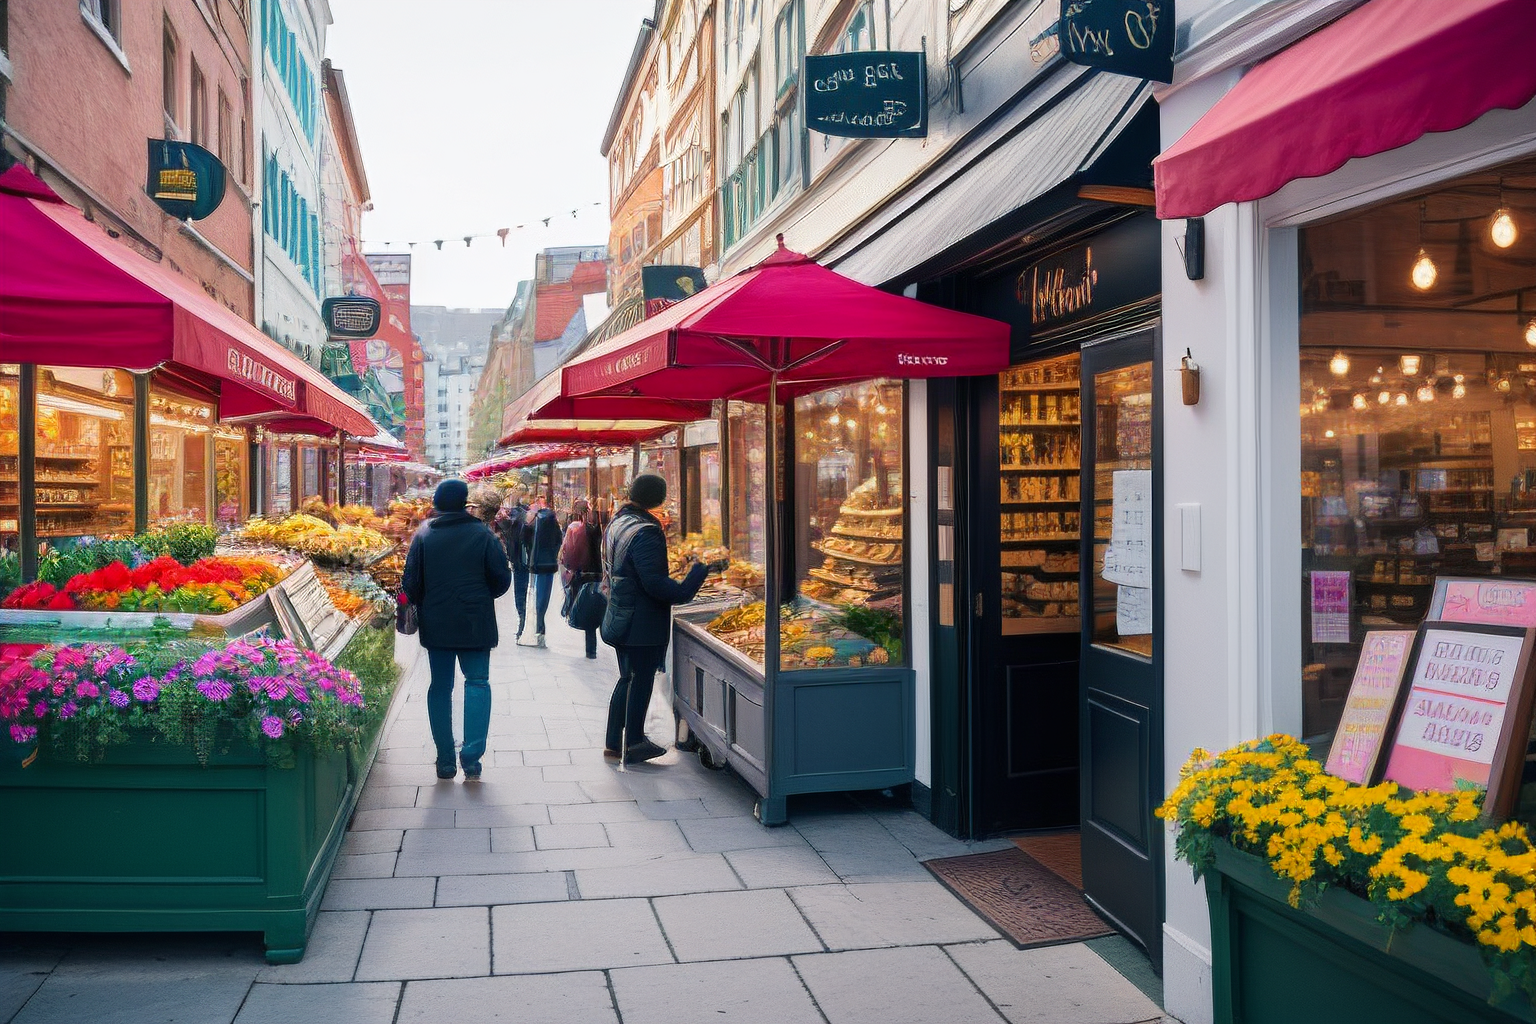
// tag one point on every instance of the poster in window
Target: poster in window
(1490, 602)
(1372, 696)
(1128, 559)
(1330, 607)
(1468, 700)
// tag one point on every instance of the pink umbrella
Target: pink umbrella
(544, 414)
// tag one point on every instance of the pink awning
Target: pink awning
(69, 295)
(1378, 78)
(543, 414)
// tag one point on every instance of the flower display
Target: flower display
(1419, 857)
(347, 544)
(88, 697)
(209, 586)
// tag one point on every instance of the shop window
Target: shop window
(10, 469)
(309, 477)
(279, 478)
(1418, 413)
(84, 460)
(231, 474)
(1122, 490)
(180, 457)
(848, 534)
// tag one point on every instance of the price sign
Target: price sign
(1372, 697)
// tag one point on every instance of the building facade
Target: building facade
(450, 388)
(632, 145)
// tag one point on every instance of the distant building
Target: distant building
(450, 390)
(447, 332)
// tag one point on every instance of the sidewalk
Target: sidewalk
(560, 891)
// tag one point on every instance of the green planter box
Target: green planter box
(149, 840)
(1274, 964)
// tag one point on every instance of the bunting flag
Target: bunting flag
(501, 233)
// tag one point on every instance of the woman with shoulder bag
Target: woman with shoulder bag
(580, 561)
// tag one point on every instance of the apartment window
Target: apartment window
(787, 48)
(788, 145)
(860, 33)
(226, 131)
(245, 132)
(197, 94)
(168, 75)
(105, 14)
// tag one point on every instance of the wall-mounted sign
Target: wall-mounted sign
(867, 94)
(351, 316)
(1372, 697)
(1466, 717)
(185, 181)
(667, 285)
(1128, 37)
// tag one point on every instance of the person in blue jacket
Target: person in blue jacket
(541, 541)
(454, 572)
(638, 623)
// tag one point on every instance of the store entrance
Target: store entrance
(1120, 712)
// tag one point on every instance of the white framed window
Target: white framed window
(104, 19)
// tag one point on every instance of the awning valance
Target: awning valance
(1378, 78)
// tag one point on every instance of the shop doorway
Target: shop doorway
(1120, 693)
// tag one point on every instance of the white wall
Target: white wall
(920, 559)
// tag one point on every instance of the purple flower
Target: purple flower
(67, 709)
(215, 689)
(118, 698)
(276, 688)
(272, 726)
(23, 733)
(39, 710)
(86, 688)
(146, 689)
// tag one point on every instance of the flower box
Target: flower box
(1333, 960)
(151, 840)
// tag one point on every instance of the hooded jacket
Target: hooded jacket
(511, 524)
(640, 591)
(454, 572)
(542, 538)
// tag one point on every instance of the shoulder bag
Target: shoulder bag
(407, 615)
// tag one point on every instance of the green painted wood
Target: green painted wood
(1275, 964)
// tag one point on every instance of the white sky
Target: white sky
(475, 115)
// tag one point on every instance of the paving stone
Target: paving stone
(658, 836)
(916, 985)
(673, 809)
(735, 992)
(569, 837)
(544, 999)
(539, 938)
(419, 842)
(543, 758)
(1066, 984)
(780, 867)
(720, 835)
(512, 839)
(334, 946)
(888, 914)
(608, 811)
(896, 865)
(507, 814)
(403, 817)
(735, 925)
(375, 797)
(487, 890)
(595, 770)
(26, 963)
(354, 1003)
(490, 793)
(444, 942)
(601, 789)
(378, 893)
(667, 876)
(364, 865)
(460, 864)
(384, 840)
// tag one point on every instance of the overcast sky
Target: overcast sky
(475, 115)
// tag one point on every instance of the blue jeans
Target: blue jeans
(543, 583)
(477, 705)
(520, 594)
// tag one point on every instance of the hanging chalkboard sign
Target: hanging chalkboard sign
(867, 94)
(1128, 37)
(185, 181)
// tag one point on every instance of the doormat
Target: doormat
(1062, 852)
(1027, 902)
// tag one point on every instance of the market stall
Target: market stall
(801, 681)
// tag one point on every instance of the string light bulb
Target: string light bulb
(1409, 364)
(1328, 433)
(1426, 393)
(1376, 377)
(1459, 391)
(1530, 332)
(1502, 385)
(1402, 398)
(1502, 230)
(1384, 397)
(1339, 364)
(1359, 401)
(1424, 272)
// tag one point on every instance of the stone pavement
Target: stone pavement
(560, 890)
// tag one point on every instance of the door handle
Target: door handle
(976, 605)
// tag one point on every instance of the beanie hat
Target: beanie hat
(648, 490)
(451, 496)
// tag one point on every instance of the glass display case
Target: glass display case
(660, 457)
(84, 460)
(279, 487)
(1039, 461)
(10, 464)
(180, 456)
(572, 480)
(231, 490)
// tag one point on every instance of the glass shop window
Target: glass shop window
(279, 478)
(180, 458)
(84, 460)
(10, 479)
(230, 475)
(1418, 413)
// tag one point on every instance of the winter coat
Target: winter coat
(454, 572)
(541, 541)
(640, 591)
(510, 526)
(579, 553)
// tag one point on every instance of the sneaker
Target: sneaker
(645, 750)
(446, 772)
(524, 643)
(538, 641)
(471, 774)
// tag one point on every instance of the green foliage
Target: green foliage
(878, 625)
(188, 542)
(10, 572)
(370, 655)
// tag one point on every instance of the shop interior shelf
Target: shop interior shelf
(843, 531)
(1074, 468)
(1066, 385)
(846, 557)
(1014, 502)
(1073, 424)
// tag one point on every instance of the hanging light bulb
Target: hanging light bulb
(1426, 393)
(1530, 332)
(1409, 364)
(1320, 404)
(1359, 401)
(1424, 272)
(1376, 377)
(834, 419)
(1384, 397)
(1502, 230)
(1502, 385)
(1459, 391)
(1328, 433)
(1339, 364)
(1402, 398)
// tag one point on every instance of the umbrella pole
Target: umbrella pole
(771, 580)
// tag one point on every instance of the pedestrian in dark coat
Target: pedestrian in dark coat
(541, 544)
(454, 572)
(580, 559)
(638, 624)
(511, 525)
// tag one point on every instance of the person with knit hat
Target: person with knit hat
(455, 570)
(638, 622)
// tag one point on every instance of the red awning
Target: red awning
(69, 295)
(1378, 78)
(543, 414)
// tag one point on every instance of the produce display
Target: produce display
(863, 550)
(405, 516)
(344, 545)
(356, 594)
(388, 571)
(813, 635)
(209, 586)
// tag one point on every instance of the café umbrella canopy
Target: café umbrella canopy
(543, 414)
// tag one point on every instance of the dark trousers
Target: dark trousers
(520, 594)
(591, 643)
(543, 585)
(637, 677)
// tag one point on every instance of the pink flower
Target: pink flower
(118, 698)
(86, 688)
(272, 726)
(215, 689)
(23, 733)
(146, 689)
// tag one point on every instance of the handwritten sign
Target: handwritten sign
(1330, 607)
(1128, 559)
(1450, 726)
(1490, 602)
(1133, 611)
(1372, 696)
(867, 94)
(1128, 37)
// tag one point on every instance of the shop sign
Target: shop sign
(1330, 607)
(1490, 602)
(701, 432)
(589, 377)
(244, 367)
(351, 316)
(1128, 37)
(1357, 743)
(185, 181)
(868, 94)
(668, 285)
(1114, 269)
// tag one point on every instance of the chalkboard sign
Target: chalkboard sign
(1358, 742)
(1128, 37)
(867, 94)
(1465, 719)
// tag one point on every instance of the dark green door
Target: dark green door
(1120, 691)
